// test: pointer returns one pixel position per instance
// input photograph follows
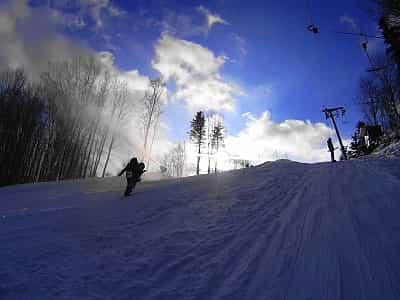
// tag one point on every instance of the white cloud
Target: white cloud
(7, 23)
(347, 19)
(179, 25)
(195, 70)
(9, 14)
(241, 43)
(70, 21)
(18, 48)
(211, 18)
(20, 9)
(95, 8)
(115, 11)
(263, 90)
(88, 12)
(187, 25)
(294, 139)
(135, 82)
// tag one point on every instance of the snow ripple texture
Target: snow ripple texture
(281, 230)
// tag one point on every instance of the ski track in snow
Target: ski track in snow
(279, 231)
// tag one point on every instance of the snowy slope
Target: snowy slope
(283, 230)
(392, 150)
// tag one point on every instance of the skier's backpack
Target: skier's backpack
(140, 171)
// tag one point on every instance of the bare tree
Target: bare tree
(55, 128)
(174, 160)
(21, 128)
(120, 111)
(380, 95)
(152, 102)
(371, 100)
(102, 92)
(72, 88)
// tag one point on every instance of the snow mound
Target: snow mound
(278, 161)
(283, 230)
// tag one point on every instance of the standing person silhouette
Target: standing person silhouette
(331, 149)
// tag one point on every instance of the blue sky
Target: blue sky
(259, 52)
(304, 71)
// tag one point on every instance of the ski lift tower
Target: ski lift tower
(331, 113)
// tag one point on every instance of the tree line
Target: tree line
(380, 88)
(66, 124)
(207, 133)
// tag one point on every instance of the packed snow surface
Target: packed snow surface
(281, 230)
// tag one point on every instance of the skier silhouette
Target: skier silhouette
(133, 172)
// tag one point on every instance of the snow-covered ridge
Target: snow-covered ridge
(393, 150)
(281, 230)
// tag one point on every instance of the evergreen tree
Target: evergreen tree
(197, 134)
(210, 121)
(218, 138)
